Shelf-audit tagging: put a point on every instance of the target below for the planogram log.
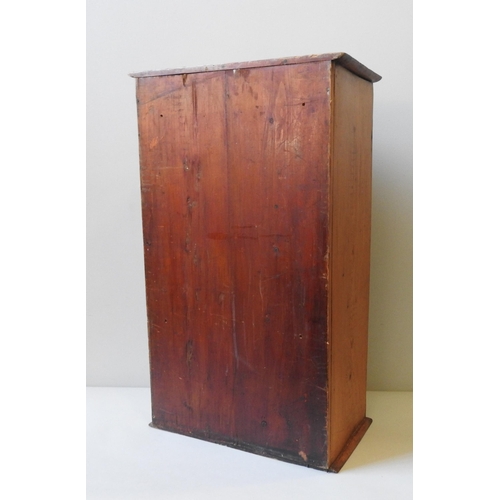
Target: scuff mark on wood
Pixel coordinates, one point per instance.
(189, 352)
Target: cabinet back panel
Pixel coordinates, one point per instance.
(234, 173)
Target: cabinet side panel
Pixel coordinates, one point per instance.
(350, 254)
(188, 279)
(278, 137)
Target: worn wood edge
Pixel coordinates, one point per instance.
(329, 314)
(281, 455)
(354, 66)
(350, 445)
(341, 57)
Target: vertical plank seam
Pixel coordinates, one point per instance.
(231, 251)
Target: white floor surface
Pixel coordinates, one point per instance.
(127, 459)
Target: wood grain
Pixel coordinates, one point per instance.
(350, 254)
(278, 132)
(339, 57)
(234, 183)
(350, 445)
(188, 276)
(256, 193)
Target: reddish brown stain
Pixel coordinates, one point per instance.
(236, 199)
(217, 236)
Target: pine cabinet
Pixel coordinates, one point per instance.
(256, 196)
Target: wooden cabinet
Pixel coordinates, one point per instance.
(256, 195)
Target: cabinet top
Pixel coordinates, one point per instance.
(341, 58)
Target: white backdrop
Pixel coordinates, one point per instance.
(127, 36)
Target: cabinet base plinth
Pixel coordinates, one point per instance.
(282, 455)
(350, 446)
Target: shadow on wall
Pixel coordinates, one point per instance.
(390, 354)
(390, 436)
